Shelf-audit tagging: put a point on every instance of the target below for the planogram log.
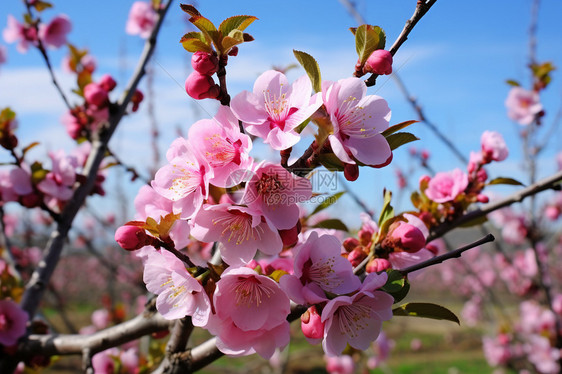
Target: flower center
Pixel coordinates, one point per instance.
(223, 151)
(269, 187)
(251, 292)
(237, 226)
(353, 318)
(322, 273)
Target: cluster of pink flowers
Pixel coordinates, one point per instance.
(52, 35)
(142, 18)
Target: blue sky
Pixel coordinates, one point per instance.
(455, 62)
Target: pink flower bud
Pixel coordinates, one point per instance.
(365, 236)
(379, 62)
(95, 95)
(200, 86)
(131, 238)
(424, 155)
(410, 238)
(205, 63)
(493, 146)
(351, 172)
(482, 198)
(350, 243)
(311, 324)
(377, 265)
(107, 82)
(356, 256)
(552, 212)
(137, 99)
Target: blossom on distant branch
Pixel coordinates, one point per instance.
(523, 106)
(142, 18)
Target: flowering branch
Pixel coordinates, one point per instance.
(421, 9)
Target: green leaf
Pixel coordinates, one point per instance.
(190, 9)
(426, 310)
(37, 172)
(327, 202)
(397, 285)
(330, 161)
(505, 180)
(41, 5)
(398, 139)
(7, 114)
(512, 82)
(334, 223)
(235, 23)
(195, 41)
(475, 222)
(368, 39)
(392, 129)
(234, 38)
(209, 30)
(311, 67)
(387, 210)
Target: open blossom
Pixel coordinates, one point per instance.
(319, 268)
(184, 180)
(57, 185)
(240, 231)
(493, 146)
(12, 322)
(53, 34)
(17, 32)
(358, 121)
(251, 314)
(179, 294)
(340, 364)
(356, 320)
(522, 106)
(142, 18)
(274, 192)
(446, 186)
(222, 144)
(274, 109)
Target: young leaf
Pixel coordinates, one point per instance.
(26, 149)
(330, 161)
(311, 67)
(235, 23)
(505, 180)
(368, 39)
(425, 310)
(41, 5)
(387, 210)
(392, 129)
(234, 38)
(512, 82)
(326, 203)
(334, 223)
(399, 139)
(195, 41)
(190, 9)
(209, 30)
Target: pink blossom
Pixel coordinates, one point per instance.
(379, 62)
(358, 121)
(58, 184)
(12, 322)
(523, 106)
(101, 318)
(493, 146)
(130, 360)
(53, 35)
(356, 320)
(340, 364)
(240, 231)
(95, 94)
(496, 350)
(472, 311)
(252, 313)
(275, 109)
(381, 347)
(274, 192)
(104, 362)
(446, 186)
(543, 355)
(184, 180)
(224, 147)
(23, 34)
(179, 294)
(319, 268)
(142, 18)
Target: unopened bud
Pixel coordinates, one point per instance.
(205, 63)
(350, 243)
(482, 198)
(376, 265)
(409, 237)
(311, 324)
(131, 238)
(95, 94)
(351, 172)
(200, 86)
(107, 82)
(356, 256)
(379, 62)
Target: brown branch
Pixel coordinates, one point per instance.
(421, 9)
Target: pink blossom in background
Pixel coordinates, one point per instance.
(472, 311)
(103, 362)
(381, 349)
(356, 320)
(493, 145)
(101, 318)
(53, 34)
(522, 106)
(358, 121)
(179, 294)
(340, 364)
(130, 360)
(446, 186)
(57, 185)
(319, 268)
(13, 322)
(274, 109)
(543, 355)
(240, 231)
(142, 18)
(222, 144)
(22, 34)
(274, 192)
(535, 319)
(496, 350)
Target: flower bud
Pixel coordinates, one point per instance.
(365, 236)
(552, 212)
(379, 62)
(351, 172)
(376, 265)
(137, 99)
(311, 324)
(131, 238)
(410, 238)
(95, 95)
(350, 243)
(200, 86)
(205, 63)
(482, 198)
(107, 82)
(356, 256)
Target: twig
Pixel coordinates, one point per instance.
(453, 254)
(178, 359)
(421, 9)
